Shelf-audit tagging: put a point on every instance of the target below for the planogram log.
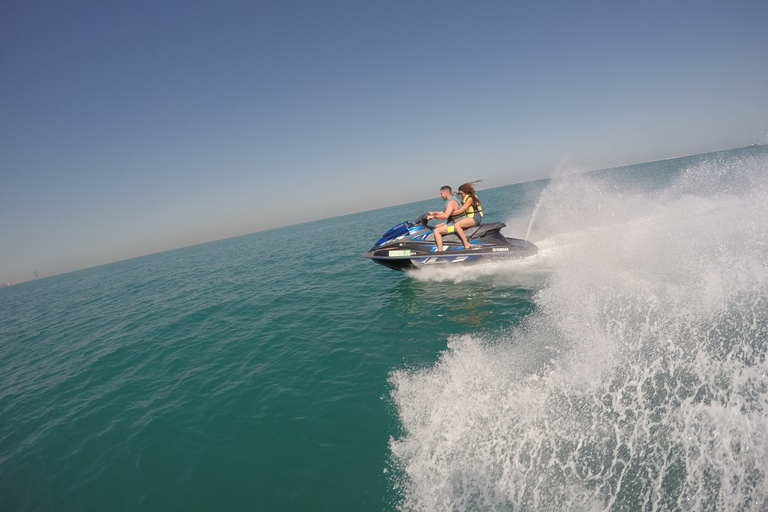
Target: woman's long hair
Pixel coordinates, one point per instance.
(468, 189)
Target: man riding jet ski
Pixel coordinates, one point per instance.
(408, 246)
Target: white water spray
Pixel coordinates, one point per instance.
(640, 382)
(539, 202)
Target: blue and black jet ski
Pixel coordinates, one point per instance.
(407, 246)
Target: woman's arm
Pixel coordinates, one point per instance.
(464, 208)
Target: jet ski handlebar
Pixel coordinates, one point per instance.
(422, 220)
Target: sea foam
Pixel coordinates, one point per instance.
(640, 381)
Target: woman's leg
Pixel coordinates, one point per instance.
(459, 227)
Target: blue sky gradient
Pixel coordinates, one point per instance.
(128, 128)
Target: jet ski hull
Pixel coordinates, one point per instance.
(406, 247)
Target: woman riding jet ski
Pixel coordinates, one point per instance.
(408, 246)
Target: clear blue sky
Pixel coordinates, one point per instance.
(128, 128)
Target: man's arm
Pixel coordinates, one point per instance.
(449, 209)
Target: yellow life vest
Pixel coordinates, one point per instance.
(470, 211)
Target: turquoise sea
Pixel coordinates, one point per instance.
(623, 368)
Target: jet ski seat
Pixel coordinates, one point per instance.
(472, 233)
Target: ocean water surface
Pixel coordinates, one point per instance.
(622, 368)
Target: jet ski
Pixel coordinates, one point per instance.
(412, 245)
